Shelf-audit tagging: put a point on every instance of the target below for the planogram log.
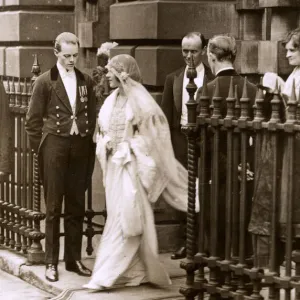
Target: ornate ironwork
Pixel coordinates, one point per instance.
(20, 195)
(191, 130)
(234, 275)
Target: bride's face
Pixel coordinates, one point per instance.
(113, 80)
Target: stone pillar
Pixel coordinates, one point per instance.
(29, 27)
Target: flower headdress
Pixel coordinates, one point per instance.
(118, 71)
(124, 67)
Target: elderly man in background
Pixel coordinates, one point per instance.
(175, 97)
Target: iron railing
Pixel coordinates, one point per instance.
(233, 274)
(20, 194)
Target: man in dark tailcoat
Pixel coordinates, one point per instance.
(6, 142)
(221, 53)
(60, 124)
(175, 97)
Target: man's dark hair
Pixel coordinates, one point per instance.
(197, 34)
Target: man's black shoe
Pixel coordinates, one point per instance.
(179, 254)
(78, 267)
(51, 273)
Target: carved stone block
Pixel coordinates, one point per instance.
(34, 26)
(251, 25)
(271, 58)
(246, 61)
(283, 21)
(247, 4)
(168, 19)
(279, 3)
(37, 2)
(19, 60)
(156, 62)
(87, 34)
(130, 50)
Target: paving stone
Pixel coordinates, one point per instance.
(13, 288)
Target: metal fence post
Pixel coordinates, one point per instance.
(36, 252)
(190, 130)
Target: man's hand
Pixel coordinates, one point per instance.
(4, 176)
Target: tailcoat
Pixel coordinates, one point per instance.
(172, 107)
(224, 78)
(66, 161)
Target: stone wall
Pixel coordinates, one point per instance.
(155, 29)
(263, 25)
(29, 27)
(152, 30)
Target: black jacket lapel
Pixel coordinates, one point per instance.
(59, 87)
(177, 91)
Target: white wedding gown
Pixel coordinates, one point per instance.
(120, 259)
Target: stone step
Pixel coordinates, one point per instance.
(72, 283)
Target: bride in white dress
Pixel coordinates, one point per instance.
(138, 164)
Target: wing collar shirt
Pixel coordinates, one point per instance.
(185, 95)
(70, 84)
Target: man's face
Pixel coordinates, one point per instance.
(68, 55)
(192, 47)
(292, 54)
